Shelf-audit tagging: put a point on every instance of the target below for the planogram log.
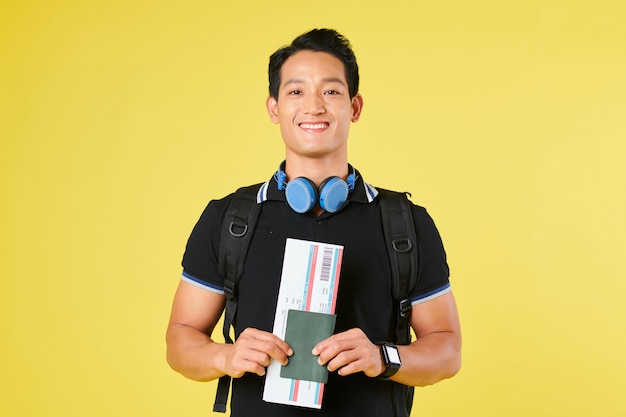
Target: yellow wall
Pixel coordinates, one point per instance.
(120, 119)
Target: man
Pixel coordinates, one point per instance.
(314, 98)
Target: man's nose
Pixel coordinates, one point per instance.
(315, 104)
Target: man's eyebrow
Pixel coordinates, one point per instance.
(326, 80)
(334, 80)
(293, 81)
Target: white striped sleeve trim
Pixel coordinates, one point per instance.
(431, 295)
(201, 284)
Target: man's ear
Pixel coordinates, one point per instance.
(357, 107)
(272, 109)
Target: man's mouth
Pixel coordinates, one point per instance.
(314, 126)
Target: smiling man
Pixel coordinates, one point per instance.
(314, 98)
(314, 108)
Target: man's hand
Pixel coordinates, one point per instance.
(350, 352)
(253, 352)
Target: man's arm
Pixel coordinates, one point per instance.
(192, 352)
(435, 355)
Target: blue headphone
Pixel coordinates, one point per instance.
(302, 194)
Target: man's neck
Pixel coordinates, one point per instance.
(316, 169)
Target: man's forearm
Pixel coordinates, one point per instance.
(193, 353)
(430, 359)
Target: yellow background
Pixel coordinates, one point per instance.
(120, 119)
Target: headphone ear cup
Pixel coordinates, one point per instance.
(301, 194)
(333, 194)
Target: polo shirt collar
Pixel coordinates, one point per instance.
(362, 193)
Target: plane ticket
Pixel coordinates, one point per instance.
(309, 282)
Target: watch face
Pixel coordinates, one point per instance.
(392, 354)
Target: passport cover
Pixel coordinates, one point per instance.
(304, 330)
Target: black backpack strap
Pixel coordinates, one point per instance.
(401, 242)
(237, 230)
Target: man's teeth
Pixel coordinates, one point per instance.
(313, 125)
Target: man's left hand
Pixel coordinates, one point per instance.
(350, 352)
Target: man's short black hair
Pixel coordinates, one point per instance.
(317, 40)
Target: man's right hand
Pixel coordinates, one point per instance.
(253, 352)
(192, 352)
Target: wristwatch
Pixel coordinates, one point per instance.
(391, 359)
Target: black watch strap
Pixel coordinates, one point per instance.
(391, 359)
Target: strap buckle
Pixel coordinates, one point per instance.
(238, 229)
(229, 288)
(402, 245)
(405, 308)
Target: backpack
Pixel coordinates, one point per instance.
(401, 242)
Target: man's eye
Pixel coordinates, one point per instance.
(295, 92)
(332, 92)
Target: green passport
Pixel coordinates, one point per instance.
(304, 330)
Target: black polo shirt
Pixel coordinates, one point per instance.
(364, 298)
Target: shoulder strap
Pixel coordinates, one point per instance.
(401, 242)
(237, 230)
